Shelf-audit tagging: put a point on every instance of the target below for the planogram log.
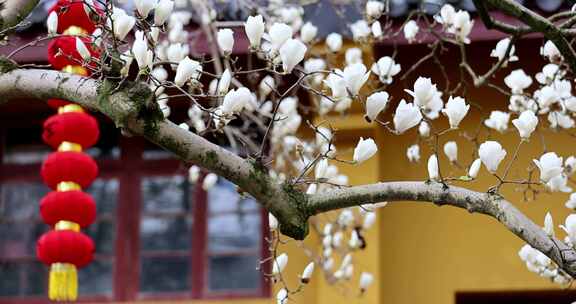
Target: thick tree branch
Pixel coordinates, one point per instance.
(12, 12)
(130, 108)
(484, 203)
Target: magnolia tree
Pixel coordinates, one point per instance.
(255, 108)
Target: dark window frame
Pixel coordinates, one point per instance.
(129, 169)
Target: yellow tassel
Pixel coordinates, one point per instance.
(69, 146)
(67, 186)
(63, 284)
(70, 108)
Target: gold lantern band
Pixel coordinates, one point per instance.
(63, 282)
(67, 186)
(67, 225)
(75, 31)
(75, 69)
(70, 108)
(69, 146)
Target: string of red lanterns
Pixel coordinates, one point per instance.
(68, 170)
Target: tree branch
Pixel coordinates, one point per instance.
(12, 12)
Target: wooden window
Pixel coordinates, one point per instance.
(157, 236)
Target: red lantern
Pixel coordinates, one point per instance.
(75, 127)
(73, 206)
(72, 13)
(62, 52)
(65, 246)
(69, 166)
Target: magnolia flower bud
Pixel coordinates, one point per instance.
(366, 279)
(144, 7)
(209, 181)
(407, 116)
(376, 29)
(278, 34)
(571, 203)
(375, 103)
(187, 69)
(411, 30)
(474, 168)
(369, 220)
(550, 51)
(163, 11)
(526, 124)
(272, 222)
(491, 154)
(549, 224)
(155, 34)
(308, 32)
(123, 23)
(334, 42)
(451, 151)
(433, 170)
(193, 174)
(455, 109)
(266, 85)
(424, 129)
(413, 153)
(224, 82)
(254, 28)
(82, 50)
(337, 86)
(550, 165)
(236, 100)
(291, 53)
(320, 169)
(52, 23)
(355, 75)
(225, 38)
(282, 296)
(141, 53)
(570, 227)
(500, 50)
(307, 273)
(279, 264)
(365, 149)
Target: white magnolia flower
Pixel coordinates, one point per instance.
(498, 121)
(353, 55)
(122, 23)
(366, 279)
(307, 273)
(446, 17)
(334, 42)
(386, 68)
(549, 73)
(267, 84)
(455, 109)
(337, 86)
(187, 69)
(360, 30)
(308, 32)
(550, 165)
(163, 11)
(155, 34)
(474, 168)
(291, 53)
(184, 126)
(225, 39)
(236, 100)
(376, 29)
(546, 97)
(424, 129)
(355, 75)
(427, 97)
(433, 170)
(254, 28)
(407, 116)
(272, 221)
(282, 296)
(278, 34)
(549, 224)
(193, 174)
(559, 119)
(224, 82)
(279, 264)
(374, 9)
(365, 149)
(369, 220)
(570, 227)
(209, 181)
(176, 52)
(500, 50)
(411, 30)
(550, 51)
(451, 151)
(144, 7)
(517, 81)
(142, 54)
(413, 153)
(52, 23)
(571, 203)
(491, 154)
(321, 168)
(375, 103)
(462, 26)
(82, 50)
(570, 165)
(526, 124)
